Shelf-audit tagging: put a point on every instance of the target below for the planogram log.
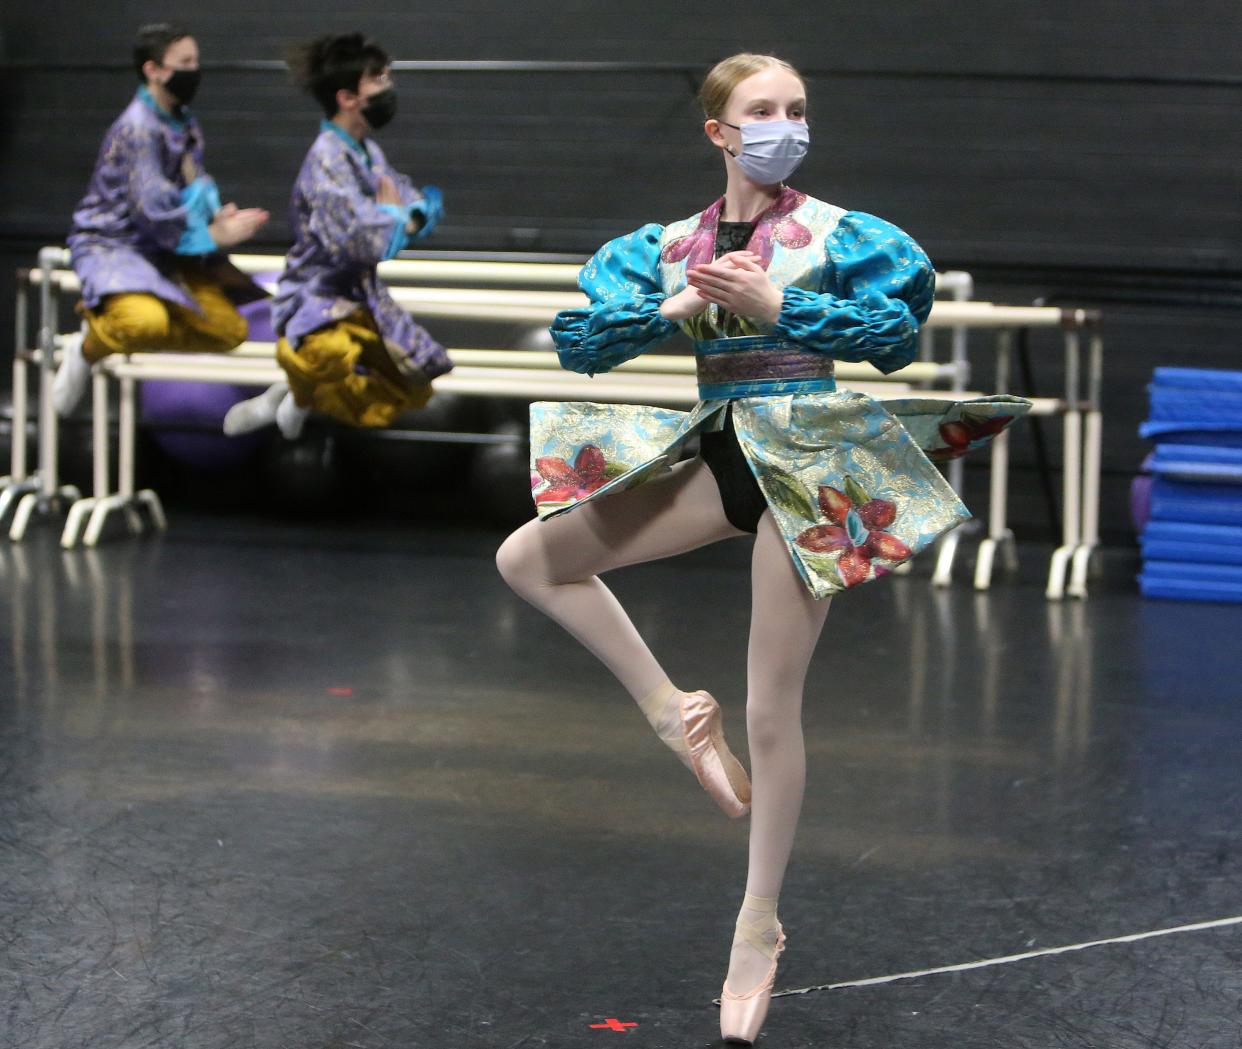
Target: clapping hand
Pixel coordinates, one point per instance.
(233, 225)
(737, 282)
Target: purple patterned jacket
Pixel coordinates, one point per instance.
(340, 235)
(126, 229)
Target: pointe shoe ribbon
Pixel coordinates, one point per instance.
(719, 772)
(742, 1015)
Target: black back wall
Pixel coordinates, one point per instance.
(1088, 151)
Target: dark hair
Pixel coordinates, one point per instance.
(153, 42)
(325, 66)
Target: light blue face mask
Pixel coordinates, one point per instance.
(771, 149)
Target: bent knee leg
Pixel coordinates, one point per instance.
(219, 329)
(231, 328)
(543, 554)
(515, 562)
(131, 322)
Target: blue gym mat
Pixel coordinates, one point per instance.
(1195, 503)
(1192, 545)
(1228, 434)
(1176, 541)
(1198, 378)
(1191, 582)
(1198, 462)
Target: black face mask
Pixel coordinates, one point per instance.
(380, 108)
(183, 84)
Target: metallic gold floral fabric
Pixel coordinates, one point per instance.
(579, 449)
(848, 485)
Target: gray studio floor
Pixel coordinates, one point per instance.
(334, 786)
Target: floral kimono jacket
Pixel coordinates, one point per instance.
(849, 480)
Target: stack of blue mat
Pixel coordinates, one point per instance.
(1192, 545)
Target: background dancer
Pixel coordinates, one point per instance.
(347, 349)
(148, 236)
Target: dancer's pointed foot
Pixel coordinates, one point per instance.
(720, 773)
(689, 724)
(255, 413)
(758, 942)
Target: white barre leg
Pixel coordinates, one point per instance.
(1000, 536)
(18, 484)
(1093, 443)
(21, 519)
(946, 552)
(12, 491)
(1059, 565)
(81, 510)
(1093, 425)
(18, 462)
(155, 508)
(128, 465)
(122, 499)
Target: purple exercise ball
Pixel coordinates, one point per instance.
(186, 419)
(1140, 501)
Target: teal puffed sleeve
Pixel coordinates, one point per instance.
(877, 289)
(623, 320)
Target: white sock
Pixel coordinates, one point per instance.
(72, 377)
(290, 418)
(255, 413)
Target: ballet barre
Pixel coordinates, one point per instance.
(543, 289)
(38, 494)
(654, 379)
(476, 373)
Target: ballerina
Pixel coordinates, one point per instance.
(773, 285)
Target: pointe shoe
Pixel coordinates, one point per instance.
(719, 772)
(742, 1015)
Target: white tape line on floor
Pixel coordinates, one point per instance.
(1219, 923)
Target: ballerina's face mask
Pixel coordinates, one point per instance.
(771, 149)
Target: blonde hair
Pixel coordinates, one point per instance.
(726, 74)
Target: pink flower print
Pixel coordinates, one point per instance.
(774, 224)
(856, 527)
(967, 434)
(568, 483)
(698, 247)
